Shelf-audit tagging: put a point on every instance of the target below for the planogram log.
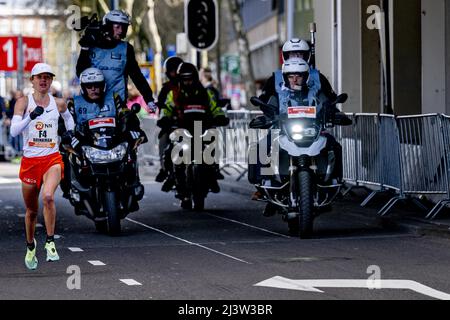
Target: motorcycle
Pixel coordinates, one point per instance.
(103, 165)
(306, 188)
(194, 176)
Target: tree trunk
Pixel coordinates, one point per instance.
(244, 49)
(157, 42)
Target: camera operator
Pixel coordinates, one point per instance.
(103, 47)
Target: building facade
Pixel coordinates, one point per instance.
(390, 56)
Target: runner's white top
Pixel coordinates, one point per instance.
(40, 138)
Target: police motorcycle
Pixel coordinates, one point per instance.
(193, 156)
(306, 185)
(103, 160)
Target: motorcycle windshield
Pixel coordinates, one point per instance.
(102, 132)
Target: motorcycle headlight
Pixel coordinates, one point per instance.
(298, 132)
(296, 128)
(105, 156)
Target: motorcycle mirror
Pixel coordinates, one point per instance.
(342, 98)
(224, 103)
(266, 108)
(260, 123)
(135, 108)
(256, 101)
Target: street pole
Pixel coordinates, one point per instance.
(290, 18)
(218, 50)
(21, 63)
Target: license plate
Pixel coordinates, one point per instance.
(302, 112)
(102, 122)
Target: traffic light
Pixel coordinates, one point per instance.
(201, 17)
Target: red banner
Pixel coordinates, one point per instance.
(8, 53)
(32, 53)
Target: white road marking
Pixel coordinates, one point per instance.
(8, 207)
(9, 180)
(187, 241)
(131, 282)
(75, 249)
(21, 215)
(97, 263)
(249, 225)
(38, 225)
(312, 285)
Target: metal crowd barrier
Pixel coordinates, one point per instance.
(237, 142)
(444, 166)
(409, 155)
(149, 152)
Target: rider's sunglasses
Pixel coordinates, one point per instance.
(296, 76)
(93, 85)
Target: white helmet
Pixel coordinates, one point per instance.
(91, 75)
(117, 16)
(295, 65)
(296, 45)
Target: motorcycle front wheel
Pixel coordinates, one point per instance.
(110, 206)
(306, 204)
(199, 190)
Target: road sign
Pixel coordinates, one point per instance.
(32, 52)
(201, 23)
(8, 53)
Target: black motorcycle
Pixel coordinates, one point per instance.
(194, 175)
(104, 184)
(304, 185)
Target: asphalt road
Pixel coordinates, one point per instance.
(165, 253)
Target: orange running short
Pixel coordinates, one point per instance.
(32, 170)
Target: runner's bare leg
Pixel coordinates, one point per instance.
(52, 178)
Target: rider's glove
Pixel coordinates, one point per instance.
(68, 138)
(36, 112)
(87, 41)
(152, 107)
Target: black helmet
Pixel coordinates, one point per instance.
(187, 71)
(171, 65)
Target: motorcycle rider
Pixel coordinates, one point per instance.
(115, 58)
(190, 93)
(170, 65)
(298, 90)
(296, 48)
(94, 102)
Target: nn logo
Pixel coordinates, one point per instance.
(201, 23)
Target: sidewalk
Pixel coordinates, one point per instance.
(404, 216)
